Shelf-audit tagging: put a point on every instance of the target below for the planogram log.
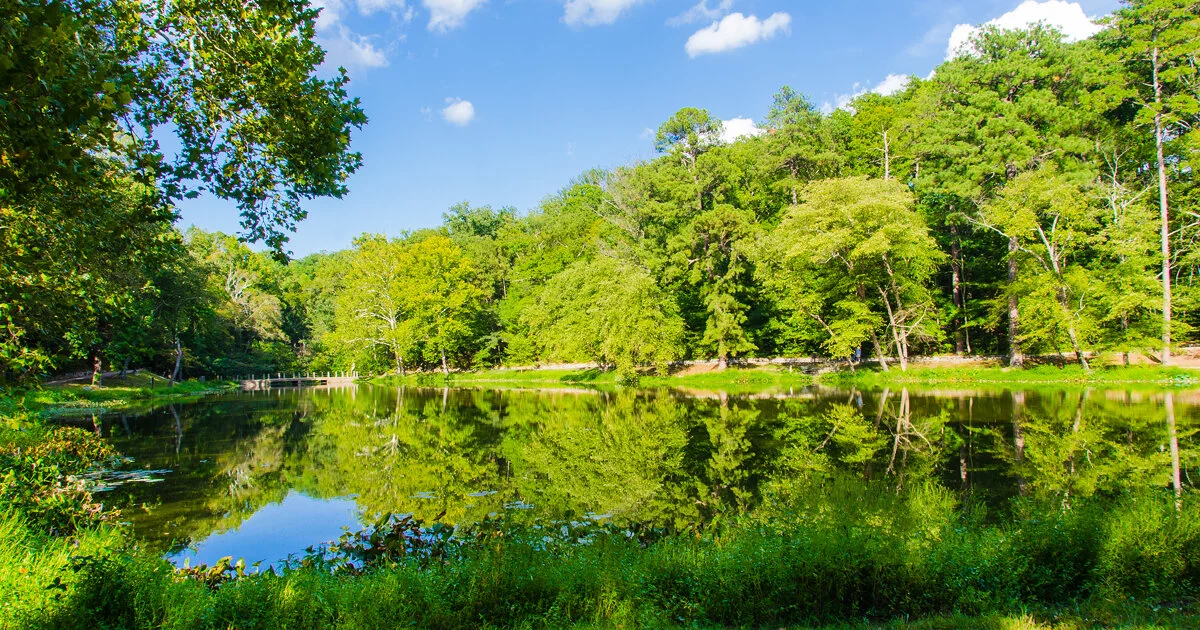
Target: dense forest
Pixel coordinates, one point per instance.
(1032, 196)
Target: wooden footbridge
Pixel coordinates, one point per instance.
(297, 379)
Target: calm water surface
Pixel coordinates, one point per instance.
(264, 475)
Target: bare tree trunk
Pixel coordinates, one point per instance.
(1176, 481)
(1078, 351)
(1165, 227)
(1015, 358)
(956, 289)
(879, 351)
(97, 371)
(887, 158)
(175, 374)
(124, 366)
(722, 363)
(445, 367)
(1124, 336)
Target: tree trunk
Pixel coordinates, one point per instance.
(901, 345)
(1015, 358)
(124, 366)
(400, 365)
(956, 289)
(1165, 227)
(722, 363)
(175, 374)
(1062, 301)
(879, 351)
(887, 158)
(445, 367)
(97, 372)
(1078, 350)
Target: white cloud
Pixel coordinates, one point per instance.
(330, 15)
(736, 128)
(647, 134)
(458, 112)
(350, 50)
(595, 12)
(1067, 17)
(700, 11)
(445, 15)
(735, 31)
(891, 84)
(343, 47)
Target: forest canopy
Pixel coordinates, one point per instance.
(1032, 196)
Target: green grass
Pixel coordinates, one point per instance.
(21, 408)
(1043, 374)
(768, 379)
(733, 380)
(1129, 563)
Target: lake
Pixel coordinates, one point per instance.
(263, 475)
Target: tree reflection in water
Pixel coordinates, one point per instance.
(658, 458)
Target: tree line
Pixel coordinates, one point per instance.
(1032, 196)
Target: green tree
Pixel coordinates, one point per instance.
(442, 297)
(800, 146)
(1159, 41)
(372, 311)
(1053, 223)
(856, 257)
(609, 311)
(1020, 99)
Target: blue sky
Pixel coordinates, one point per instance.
(503, 102)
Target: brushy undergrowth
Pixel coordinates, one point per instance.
(41, 477)
(1126, 561)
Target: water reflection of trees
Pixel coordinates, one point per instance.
(651, 457)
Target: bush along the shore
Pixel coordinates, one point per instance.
(41, 477)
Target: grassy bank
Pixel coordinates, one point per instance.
(133, 392)
(1130, 563)
(1044, 374)
(730, 380)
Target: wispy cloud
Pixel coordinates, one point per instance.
(596, 12)
(445, 15)
(700, 11)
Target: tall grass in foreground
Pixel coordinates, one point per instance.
(846, 555)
